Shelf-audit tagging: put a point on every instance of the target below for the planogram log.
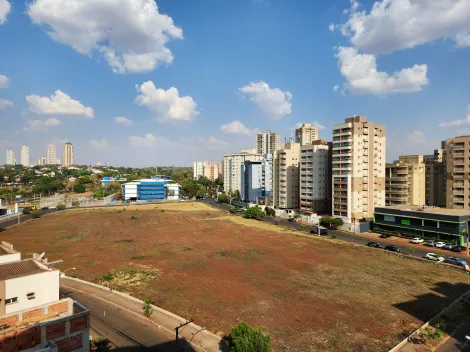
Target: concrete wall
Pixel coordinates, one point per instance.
(7, 258)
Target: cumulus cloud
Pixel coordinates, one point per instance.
(417, 137)
(166, 104)
(40, 125)
(130, 34)
(236, 127)
(147, 141)
(456, 123)
(99, 144)
(4, 80)
(4, 10)
(362, 76)
(331, 27)
(335, 88)
(58, 104)
(402, 24)
(272, 102)
(463, 39)
(4, 103)
(121, 120)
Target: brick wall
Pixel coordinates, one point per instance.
(55, 331)
(58, 307)
(79, 323)
(70, 343)
(10, 321)
(21, 339)
(33, 313)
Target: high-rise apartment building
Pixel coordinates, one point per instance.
(436, 184)
(256, 180)
(10, 157)
(212, 171)
(233, 169)
(25, 156)
(198, 169)
(306, 134)
(267, 142)
(315, 178)
(51, 155)
(405, 181)
(67, 155)
(457, 172)
(286, 163)
(358, 168)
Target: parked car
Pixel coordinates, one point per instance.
(374, 245)
(323, 231)
(458, 248)
(291, 220)
(455, 261)
(447, 246)
(392, 248)
(434, 257)
(430, 243)
(417, 240)
(439, 244)
(385, 235)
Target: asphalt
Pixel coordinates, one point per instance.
(4, 225)
(420, 249)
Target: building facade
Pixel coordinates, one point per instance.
(198, 169)
(233, 169)
(68, 155)
(405, 181)
(315, 178)
(457, 172)
(358, 168)
(10, 157)
(51, 157)
(267, 142)
(256, 180)
(286, 164)
(436, 184)
(153, 189)
(212, 171)
(306, 134)
(25, 156)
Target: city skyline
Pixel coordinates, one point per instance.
(200, 81)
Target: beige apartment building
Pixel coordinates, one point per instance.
(358, 168)
(212, 171)
(306, 134)
(233, 164)
(457, 172)
(436, 184)
(67, 155)
(405, 181)
(315, 178)
(286, 176)
(267, 142)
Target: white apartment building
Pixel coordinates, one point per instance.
(51, 155)
(198, 169)
(315, 178)
(256, 180)
(10, 157)
(358, 168)
(306, 134)
(25, 156)
(233, 169)
(286, 163)
(67, 155)
(267, 142)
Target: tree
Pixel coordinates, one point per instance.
(27, 210)
(270, 211)
(79, 188)
(205, 182)
(36, 214)
(245, 338)
(254, 213)
(237, 195)
(113, 187)
(61, 206)
(189, 189)
(222, 198)
(100, 344)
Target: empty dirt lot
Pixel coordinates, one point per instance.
(313, 294)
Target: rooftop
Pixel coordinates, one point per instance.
(20, 268)
(430, 210)
(6, 248)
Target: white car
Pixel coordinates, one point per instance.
(434, 257)
(440, 244)
(417, 240)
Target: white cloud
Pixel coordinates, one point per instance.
(121, 120)
(362, 77)
(236, 127)
(4, 103)
(335, 88)
(272, 102)
(166, 104)
(318, 125)
(100, 144)
(210, 143)
(131, 34)
(463, 39)
(416, 137)
(4, 10)
(40, 125)
(58, 104)
(402, 24)
(213, 143)
(331, 27)
(4, 80)
(455, 123)
(147, 141)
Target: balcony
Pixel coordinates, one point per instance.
(459, 146)
(458, 176)
(458, 192)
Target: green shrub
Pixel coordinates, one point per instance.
(75, 203)
(223, 198)
(27, 210)
(146, 308)
(245, 338)
(100, 344)
(36, 214)
(61, 206)
(269, 211)
(254, 213)
(79, 188)
(133, 217)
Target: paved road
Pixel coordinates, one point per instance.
(23, 217)
(420, 250)
(457, 342)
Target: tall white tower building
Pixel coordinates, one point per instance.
(51, 155)
(25, 156)
(67, 156)
(10, 157)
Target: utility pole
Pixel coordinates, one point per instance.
(179, 327)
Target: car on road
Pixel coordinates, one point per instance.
(385, 235)
(430, 244)
(458, 248)
(392, 248)
(439, 244)
(417, 240)
(447, 246)
(323, 231)
(455, 261)
(291, 220)
(374, 245)
(434, 257)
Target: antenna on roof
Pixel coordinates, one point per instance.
(42, 255)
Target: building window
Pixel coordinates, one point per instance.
(30, 295)
(11, 300)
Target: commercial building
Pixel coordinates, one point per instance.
(358, 168)
(233, 169)
(306, 134)
(422, 221)
(67, 155)
(51, 155)
(32, 315)
(198, 169)
(457, 172)
(267, 142)
(25, 156)
(256, 180)
(212, 171)
(152, 189)
(315, 177)
(286, 163)
(405, 181)
(10, 157)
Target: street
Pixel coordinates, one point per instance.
(23, 217)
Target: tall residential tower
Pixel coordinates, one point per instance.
(10, 157)
(306, 134)
(67, 155)
(51, 155)
(25, 156)
(267, 142)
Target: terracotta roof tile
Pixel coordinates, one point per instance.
(19, 268)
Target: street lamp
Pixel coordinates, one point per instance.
(63, 273)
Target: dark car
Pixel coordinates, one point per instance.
(374, 245)
(385, 235)
(455, 261)
(291, 220)
(392, 248)
(458, 248)
(323, 231)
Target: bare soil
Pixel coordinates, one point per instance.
(313, 294)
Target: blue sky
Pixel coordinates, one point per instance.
(238, 66)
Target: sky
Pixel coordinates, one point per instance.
(148, 83)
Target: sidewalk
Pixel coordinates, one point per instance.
(199, 338)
